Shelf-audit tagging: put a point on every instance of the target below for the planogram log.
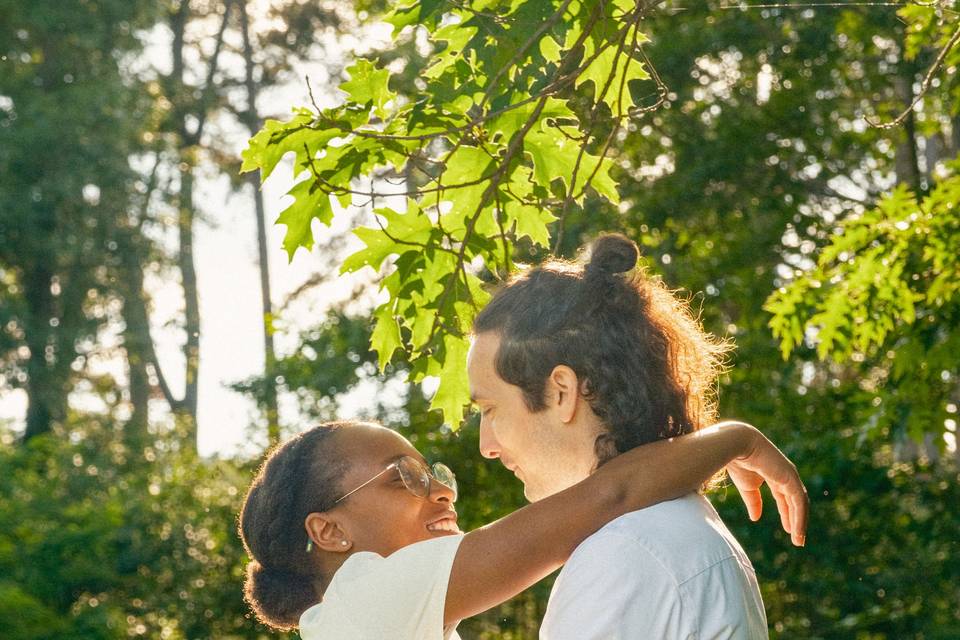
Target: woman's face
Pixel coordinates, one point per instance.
(385, 516)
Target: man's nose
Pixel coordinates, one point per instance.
(489, 447)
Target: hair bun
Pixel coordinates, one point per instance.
(278, 597)
(611, 254)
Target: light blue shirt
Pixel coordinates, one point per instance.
(669, 572)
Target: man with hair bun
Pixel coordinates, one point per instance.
(574, 363)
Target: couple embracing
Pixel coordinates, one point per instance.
(594, 387)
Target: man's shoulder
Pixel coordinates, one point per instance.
(681, 537)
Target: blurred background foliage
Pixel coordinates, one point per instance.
(758, 185)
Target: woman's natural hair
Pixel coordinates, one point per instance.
(298, 477)
(647, 368)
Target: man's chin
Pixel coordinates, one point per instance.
(533, 494)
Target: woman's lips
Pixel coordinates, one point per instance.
(446, 522)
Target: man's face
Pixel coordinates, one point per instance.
(532, 445)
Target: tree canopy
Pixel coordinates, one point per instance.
(746, 148)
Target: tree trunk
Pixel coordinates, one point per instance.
(191, 349)
(906, 160)
(253, 123)
(955, 135)
(270, 358)
(45, 392)
(137, 342)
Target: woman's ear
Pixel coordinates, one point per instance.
(326, 533)
(564, 392)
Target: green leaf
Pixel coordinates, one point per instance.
(265, 150)
(310, 202)
(623, 70)
(531, 221)
(385, 339)
(454, 390)
(551, 51)
(601, 181)
(403, 15)
(551, 155)
(467, 165)
(437, 267)
(368, 86)
(405, 232)
(512, 120)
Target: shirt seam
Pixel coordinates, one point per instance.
(708, 568)
(640, 542)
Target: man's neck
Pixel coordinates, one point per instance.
(580, 450)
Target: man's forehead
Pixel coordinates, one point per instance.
(481, 372)
(483, 350)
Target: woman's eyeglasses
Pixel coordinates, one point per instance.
(416, 477)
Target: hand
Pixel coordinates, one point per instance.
(765, 463)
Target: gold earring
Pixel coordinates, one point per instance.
(309, 546)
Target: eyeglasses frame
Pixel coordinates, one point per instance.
(395, 465)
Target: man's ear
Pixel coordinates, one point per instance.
(326, 533)
(564, 391)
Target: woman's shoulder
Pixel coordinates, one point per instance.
(418, 557)
(432, 548)
(385, 588)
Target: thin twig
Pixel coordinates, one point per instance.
(924, 86)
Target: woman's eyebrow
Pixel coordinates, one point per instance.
(396, 458)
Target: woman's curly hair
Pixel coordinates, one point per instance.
(648, 369)
(298, 477)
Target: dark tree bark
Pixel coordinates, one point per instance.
(955, 135)
(191, 349)
(138, 343)
(906, 160)
(45, 392)
(252, 120)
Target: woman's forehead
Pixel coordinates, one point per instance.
(372, 446)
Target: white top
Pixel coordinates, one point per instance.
(672, 571)
(400, 597)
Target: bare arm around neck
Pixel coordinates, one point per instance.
(501, 559)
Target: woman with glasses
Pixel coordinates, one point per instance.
(353, 536)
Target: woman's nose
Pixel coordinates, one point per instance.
(440, 492)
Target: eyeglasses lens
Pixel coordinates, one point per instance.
(417, 476)
(445, 476)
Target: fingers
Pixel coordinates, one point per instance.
(783, 506)
(754, 503)
(799, 506)
(748, 485)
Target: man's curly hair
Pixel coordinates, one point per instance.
(648, 369)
